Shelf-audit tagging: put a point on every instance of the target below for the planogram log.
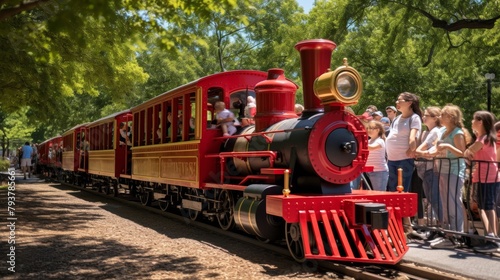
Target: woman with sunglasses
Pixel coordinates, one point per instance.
(401, 142)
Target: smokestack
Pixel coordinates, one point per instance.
(315, 58)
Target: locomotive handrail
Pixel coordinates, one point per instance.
(223, 155)
(263, 134)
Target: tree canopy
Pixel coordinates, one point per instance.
(66, 62)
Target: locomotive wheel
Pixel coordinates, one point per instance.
(225, 216)
(106, 189)
(145, 196)
(294, 241)
(164, 203)
(116, 190)
(192, 214)
(133, 190)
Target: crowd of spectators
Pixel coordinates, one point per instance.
(441, 161)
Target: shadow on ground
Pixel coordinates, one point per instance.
(68, 257)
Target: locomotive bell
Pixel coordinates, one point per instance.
(344, 86)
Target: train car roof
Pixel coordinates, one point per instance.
(73, 128)
(50, 139)
(200, 81)
(107, 118)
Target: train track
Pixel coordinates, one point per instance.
(357, 271)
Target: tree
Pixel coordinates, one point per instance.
(14, 130)
(54, 49)
(397, 46)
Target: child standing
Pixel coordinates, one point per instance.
(485, 174)
(376, 157)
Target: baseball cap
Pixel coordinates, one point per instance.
(385, 120)
(378, 113)
(392, 108)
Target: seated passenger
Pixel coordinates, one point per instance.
(225, 119)
(298, 109)
(124, 135)
(250, 111)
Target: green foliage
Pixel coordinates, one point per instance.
(401, 46)
(4, 164)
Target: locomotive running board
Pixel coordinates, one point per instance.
(331, 237)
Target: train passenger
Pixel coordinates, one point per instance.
(485, 174)
(250, 111)
(225, 119)
(425, 167)
(451, 167)
(124, 135)
(376, 157)
(251, 108)
(298, 109)
(240, 105)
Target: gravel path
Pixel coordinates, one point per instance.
(63, 233)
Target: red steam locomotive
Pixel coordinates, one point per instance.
(284, 178)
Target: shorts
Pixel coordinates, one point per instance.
(486, 195)
(25, 162)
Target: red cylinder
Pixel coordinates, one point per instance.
(275, 99)
(315, 58)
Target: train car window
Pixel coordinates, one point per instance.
(104, 130)
(170, 119)
(213, 95)
(102, 139)
(238, 101)
(68, 142)
(163, 123)
(135, 137)
(176, 121)
(111, 134)
(188, 117)
(78, 137)
(149, 126)
(142, 128)
(157, 132)
(92, 138)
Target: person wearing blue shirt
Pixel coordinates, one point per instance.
(26, 159)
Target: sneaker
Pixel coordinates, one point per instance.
(415, 235)
(436, 240)
(488, 247)
(433, 235)
(445, 243)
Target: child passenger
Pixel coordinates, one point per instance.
(225, 119)
(485, 174)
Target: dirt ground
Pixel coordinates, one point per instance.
(64, 233)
